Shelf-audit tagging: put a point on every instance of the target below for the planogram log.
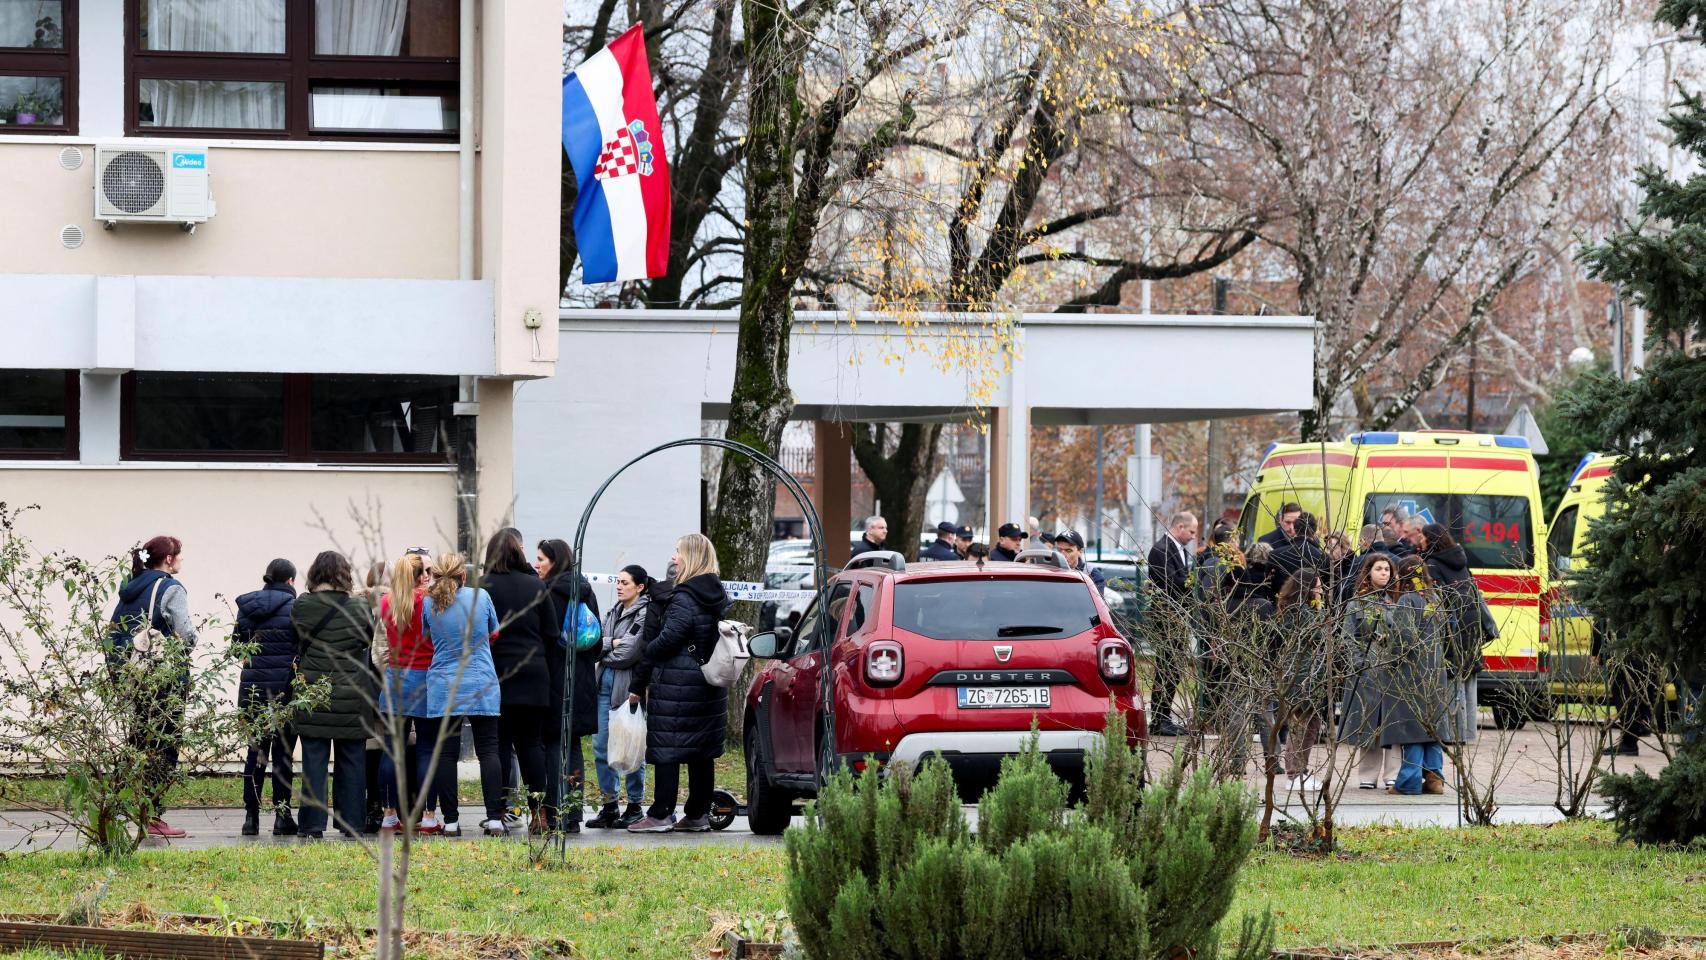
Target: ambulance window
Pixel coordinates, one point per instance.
(1561, 540)
(1497, 531)
(1247, 522)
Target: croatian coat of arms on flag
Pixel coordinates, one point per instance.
(627, 153)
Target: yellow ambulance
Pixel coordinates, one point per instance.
(1569, 663)
(1484, 488)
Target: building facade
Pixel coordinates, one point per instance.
(317, 341)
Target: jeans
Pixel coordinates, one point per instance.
(523, 729)
(349, 784)
(280, 747)
(1418, 757)
(607, 785)
(491, 775)
(701, 781)
(402, 794)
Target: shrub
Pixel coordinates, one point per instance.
(885, 866)
(1666, 809)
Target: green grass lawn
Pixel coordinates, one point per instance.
(659, 902)
(227, 791)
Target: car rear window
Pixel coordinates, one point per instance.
(1005, 608)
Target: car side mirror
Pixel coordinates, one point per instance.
(768, 644)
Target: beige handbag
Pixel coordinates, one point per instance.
(150, 640)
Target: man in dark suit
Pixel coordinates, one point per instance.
(943, 548)
(1171, 561)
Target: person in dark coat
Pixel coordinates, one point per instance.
(555, 561)
(153, 598)
(1461, 624)
(1009, 540)
(263, 621)
(1171, 563)
(334, 639)
(687, 717)
(528, 640)
(943, 548)
(1302, 551)
(1284, 526)
(875, 535)
(1070, 543)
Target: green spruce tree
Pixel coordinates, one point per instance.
(1647, 562)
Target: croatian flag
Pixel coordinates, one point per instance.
(614, 141)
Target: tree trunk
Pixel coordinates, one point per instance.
(760, 404)
(901, 480)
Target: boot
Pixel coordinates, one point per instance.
(251, 822)
(631, 816)
(282, 823)
(607, 819)
(1432, 782)
(1628, 745)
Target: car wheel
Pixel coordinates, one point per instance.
(1507, 717)
(768, 810)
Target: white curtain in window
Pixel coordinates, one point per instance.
(222, 104)
(224, 26)
(368, 108)
(360, 28)
(18, 21)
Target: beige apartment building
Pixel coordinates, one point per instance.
(270, 271)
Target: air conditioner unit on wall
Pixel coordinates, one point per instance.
(152, 183)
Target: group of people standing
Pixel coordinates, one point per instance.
(1407, 627)
(384, 676)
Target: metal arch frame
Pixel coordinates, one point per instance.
(819, 568)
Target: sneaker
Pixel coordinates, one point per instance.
(390, 824)
(494, 828)
(1368, 785)
(607, 819)
(1389, 782)
(651, 825)
(313, 834)
(165, 831)
(694, 825)
(429, 824)
(451, 828)
(1304, 784)
(634, 814)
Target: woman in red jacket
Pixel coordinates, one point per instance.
(404, 699)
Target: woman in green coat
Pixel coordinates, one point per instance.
(334, 634)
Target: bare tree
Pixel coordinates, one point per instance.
(1415, 156)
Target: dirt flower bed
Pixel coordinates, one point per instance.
(1632, 943)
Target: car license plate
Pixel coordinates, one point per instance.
(987, 698)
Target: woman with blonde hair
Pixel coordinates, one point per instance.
(687, 716)
(462, 684)
(404, 699)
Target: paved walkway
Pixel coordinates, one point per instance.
(1524, 764)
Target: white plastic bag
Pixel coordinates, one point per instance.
(626, 751)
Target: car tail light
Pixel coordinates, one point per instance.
(1113, 661)
(885, 661)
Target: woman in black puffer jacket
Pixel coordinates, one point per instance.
(686, 717)
(263, 619)
(1463, 627)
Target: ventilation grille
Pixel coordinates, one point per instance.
(71, 235)
(133, 182)
(71, 158)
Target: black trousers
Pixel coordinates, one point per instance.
(349, 784)
(279, 749)
(701, 780)
(485, 731)
(523, 728)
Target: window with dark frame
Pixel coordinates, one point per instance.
(292, 69)
(295, 417)
(38, 414)
(38, 66)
